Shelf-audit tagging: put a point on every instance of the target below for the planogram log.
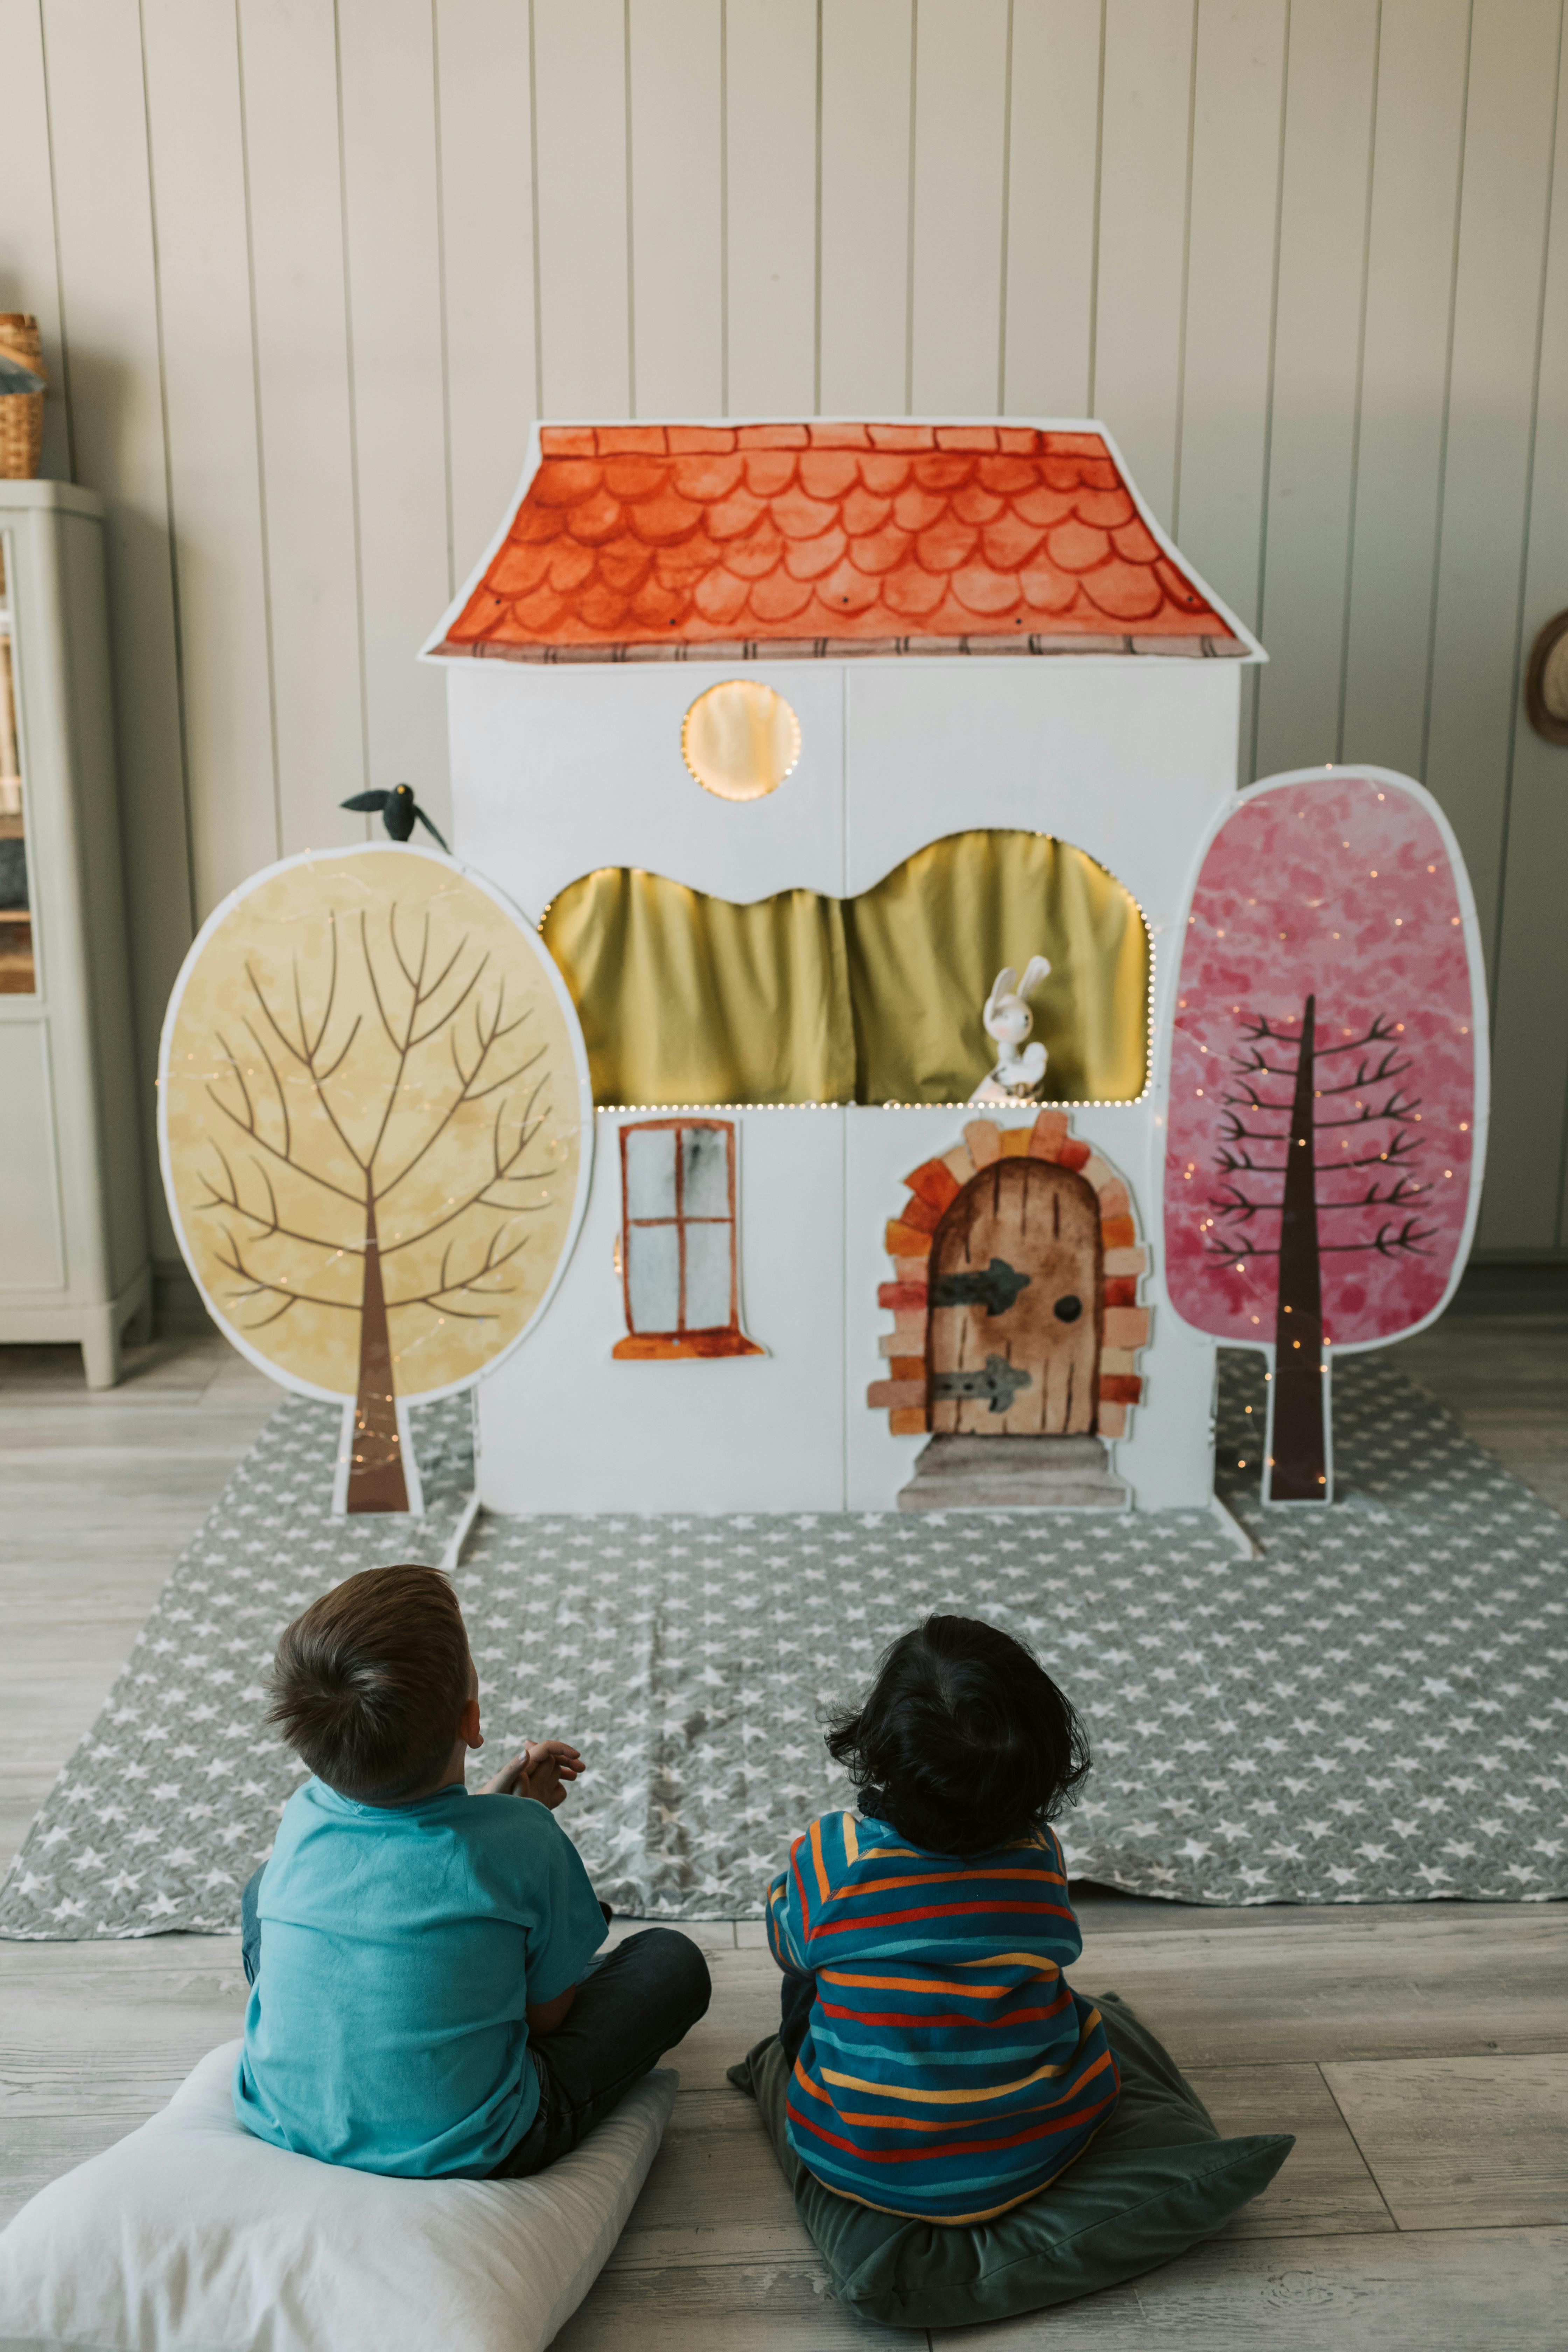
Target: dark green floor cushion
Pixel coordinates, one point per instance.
(1156, 2178)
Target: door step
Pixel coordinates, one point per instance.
(1018, 1473)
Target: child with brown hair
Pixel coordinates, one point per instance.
(425, 1998)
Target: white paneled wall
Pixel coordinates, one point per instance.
(306, 270)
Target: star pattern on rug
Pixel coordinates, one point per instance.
(171, 1799)
(1375, 1709)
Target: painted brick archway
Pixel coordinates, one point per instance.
(932, 1187)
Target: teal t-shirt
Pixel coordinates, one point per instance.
(400, 1947)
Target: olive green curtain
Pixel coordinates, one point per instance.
(925, 945)
(688, 999)
(800, 997)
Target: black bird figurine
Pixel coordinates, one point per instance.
(399, 811)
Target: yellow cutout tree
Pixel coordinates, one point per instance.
(373, 1107)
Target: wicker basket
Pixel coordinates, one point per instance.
(21, 413)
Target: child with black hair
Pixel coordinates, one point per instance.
(940, 2064)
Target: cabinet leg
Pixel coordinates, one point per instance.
(100, 1348)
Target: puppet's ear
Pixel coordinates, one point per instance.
(1005, 984)
(1035, 970)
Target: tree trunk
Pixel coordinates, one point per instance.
(376, 1482)
(1297, 1451)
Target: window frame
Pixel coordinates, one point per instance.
(682, 1340)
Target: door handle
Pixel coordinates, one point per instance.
(995, 1289)
(999, 1383)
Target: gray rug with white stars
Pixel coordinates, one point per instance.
(1374, 1710)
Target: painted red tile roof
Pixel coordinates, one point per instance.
(634, 542)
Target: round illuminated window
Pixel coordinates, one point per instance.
(741, 740)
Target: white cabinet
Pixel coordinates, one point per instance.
(73, 1231)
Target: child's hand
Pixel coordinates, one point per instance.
(549, 1766)
(508, 1780)
(540, 1771)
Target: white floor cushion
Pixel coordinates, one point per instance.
(192, 2234)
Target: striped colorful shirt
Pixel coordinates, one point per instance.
(948, 2070)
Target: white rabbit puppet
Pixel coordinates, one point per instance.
(1015, 1075)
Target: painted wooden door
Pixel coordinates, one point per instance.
(1013, 1328)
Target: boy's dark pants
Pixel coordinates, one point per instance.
(637, 2002)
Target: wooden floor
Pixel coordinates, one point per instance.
(1419, 2053)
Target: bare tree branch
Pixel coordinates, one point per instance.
(260, 1285)
(1403, 1188)
(397, 952)
(402, 1043)
(1258, 1026)
(248, 1127)
(332, 992)
(1234, 1132)
(481, 1094)
(1390, 1066)
(471, 1283)
(342, 1058)
(1401, 1144)
(269, 1226)
(1396, 1107)
(1382, 1029)
(306, 1060)
(1250, 1102)
(1411, 1239)
(494, 1263)
(276, 1082)
(485, 1040)
(249, 1121)
(501, 1174)
(1234, 1202)
(375, 983)
(452, 1011)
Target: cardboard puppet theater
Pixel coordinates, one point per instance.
(966, 1057)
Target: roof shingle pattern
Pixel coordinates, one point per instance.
(638, 540)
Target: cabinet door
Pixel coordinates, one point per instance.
(32, 1255)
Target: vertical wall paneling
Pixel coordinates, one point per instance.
(1524, 1205)
(959, 144)
(306, 268)
(28, 279)
(677, 206)
(109, 310)
(1053, 151)
(209, 393)
(1237, 109)
(289, 97)
(386, 53)
(487, 255)
(1144, 190)
(770, 205)
(1328, 117)
(865, 103)
(1417, 170)
(1496, 313)
(580, 113)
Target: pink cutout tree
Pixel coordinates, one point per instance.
(1321, 1159)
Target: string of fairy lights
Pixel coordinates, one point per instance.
(1032, 1103)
